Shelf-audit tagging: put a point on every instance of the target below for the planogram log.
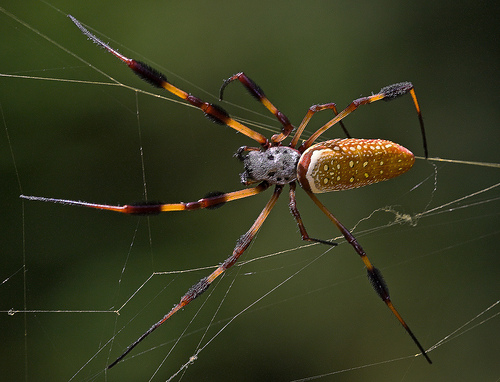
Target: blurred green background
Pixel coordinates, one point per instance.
(81, 141)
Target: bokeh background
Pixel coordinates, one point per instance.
(81, 141)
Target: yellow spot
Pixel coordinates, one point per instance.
(325, 167)
(365, 164)
(381, 171)
(338, 178)
(351, 164)
(381, 162)
(326, 180)
(338, 166)
(351, 180)
(366, 175)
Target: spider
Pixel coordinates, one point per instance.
(333, 165)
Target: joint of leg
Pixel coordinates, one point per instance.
(197, 289)
(327, 242)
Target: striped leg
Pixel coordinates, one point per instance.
(213, 201)
(387, 93)
(214, 112)
(313, 110)
(256, 91)
(374, 274)
(202, 285)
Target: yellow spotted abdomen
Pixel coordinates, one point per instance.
(342, 164)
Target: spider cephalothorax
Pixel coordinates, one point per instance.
(275, 165)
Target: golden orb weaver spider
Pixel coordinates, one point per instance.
(338, 164)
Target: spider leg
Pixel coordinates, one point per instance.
(214, 112)
(257, 92)
(295, 213)
(202, 285)
(312, 110)
(387, 93)
(374, 274)
(213, 201)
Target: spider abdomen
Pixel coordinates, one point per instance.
(343, 164)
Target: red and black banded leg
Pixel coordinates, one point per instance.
(214, 112)
(214, 200)
(202, 285)
(313, 110)
(296, 215)
(257, 92)
(374, 275)
(387, 93)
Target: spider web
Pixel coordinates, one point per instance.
(79, 286)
